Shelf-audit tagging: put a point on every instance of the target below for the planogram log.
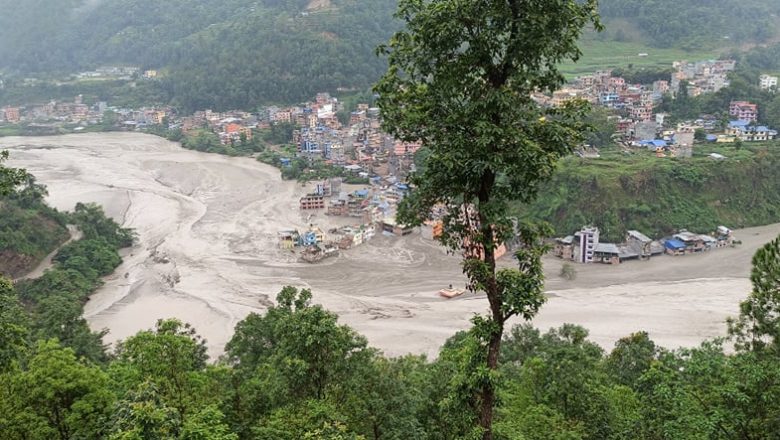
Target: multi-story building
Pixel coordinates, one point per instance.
(588, 239)
(12, 114)
(642, 113)
(767, 81)
(312, 201)
(744, 111)
(744, 131)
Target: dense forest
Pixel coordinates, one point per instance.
(296, 373)
(695, 24)
(215, 54)
(244, 53)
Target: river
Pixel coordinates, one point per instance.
(206, 254)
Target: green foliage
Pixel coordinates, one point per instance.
(172, 357)
(57, 396)
(142, 415)
(698, 24)
(278, 134)
(55, 300)
(602, 128)
(211, 54)
(631, 358)
(94, 224)
(661, 195)
(9, 177)
(29, 229)
(304, 170)
(460, 81)
(568, 272)
(555, 385)
(205, 140)
(13, 327)
(300, 342)
(758, 326)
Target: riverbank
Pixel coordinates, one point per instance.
(206, 253)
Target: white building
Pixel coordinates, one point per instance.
(588, 239)
(767, 81)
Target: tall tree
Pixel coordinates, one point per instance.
(171, 357)
(758, 326)
(9, 177)
(461, 78)
(13, 326)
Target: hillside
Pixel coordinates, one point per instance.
(660, 195)
(29, 230)
(242, 53)
(221, 54)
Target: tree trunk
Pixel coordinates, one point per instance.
(488, 391)
(488, 394)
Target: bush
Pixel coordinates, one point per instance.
(568, 272)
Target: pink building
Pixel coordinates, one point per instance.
(744, 111)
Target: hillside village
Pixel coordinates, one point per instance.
(354, 149)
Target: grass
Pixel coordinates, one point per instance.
(598, 55)
(10, 131)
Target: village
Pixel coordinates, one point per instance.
(357, 143)
(355, 149)
(585, 246)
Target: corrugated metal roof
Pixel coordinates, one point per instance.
(607, 248)
(707, 239)
(569, 239)
(687, 236)
(639, 236)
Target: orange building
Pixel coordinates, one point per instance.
(12, 114)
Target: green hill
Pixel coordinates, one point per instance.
(220, 54)
(241, 53)
(660, 195)
(29, 230)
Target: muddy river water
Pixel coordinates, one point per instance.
(206, 254)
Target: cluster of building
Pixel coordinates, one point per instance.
(585, 245)
(634, 101)
(231, 126)
(77, 112)
(634, 105)
(744, 127)
(373, 209)
(702, 76)
(125, 73)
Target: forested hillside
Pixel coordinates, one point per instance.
(221, 54)
(242, 53)
(695, 23)
(661, 195)
(29, 229)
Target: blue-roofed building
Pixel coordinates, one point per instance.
(309, 238)
(674, 246)
(712, 138)
(361, 193)
(653, 144)
(741, 129)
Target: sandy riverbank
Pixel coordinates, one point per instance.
(207, 227)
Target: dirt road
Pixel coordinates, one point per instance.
(207, 227)
(47, 262)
